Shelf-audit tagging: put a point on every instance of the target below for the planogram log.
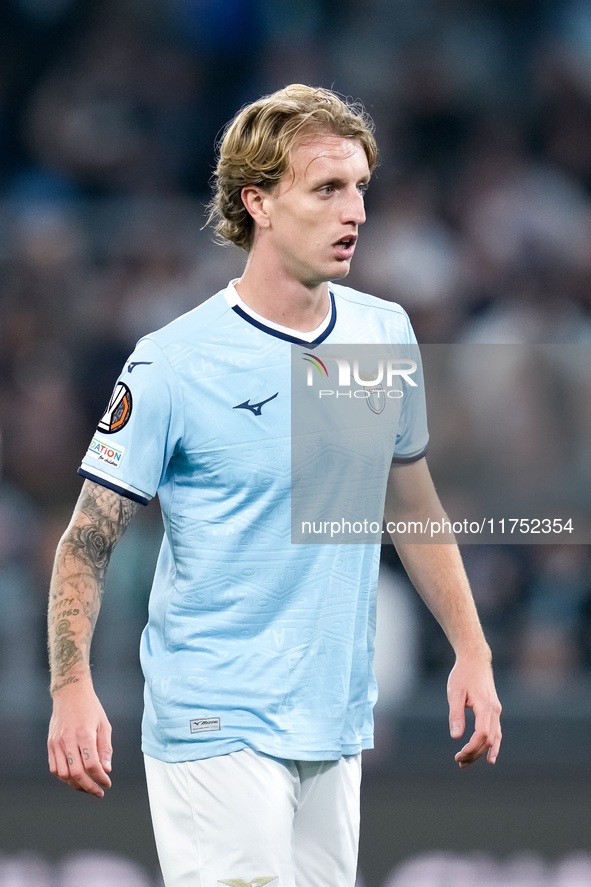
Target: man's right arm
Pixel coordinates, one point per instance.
(79, 743)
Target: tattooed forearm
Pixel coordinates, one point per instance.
(66, 653)
(100, 519)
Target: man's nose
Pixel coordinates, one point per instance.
(355, 208)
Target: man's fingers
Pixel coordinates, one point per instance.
(494, 750)
(487, 731)
(94, 767)
(60, 766)
(89, 771)
(79, 766)
(86, 776)
(457, 726)
(51, 759)
(457, 717)
(104, 747)
(474, 749)
(73, 772)
(482, 742)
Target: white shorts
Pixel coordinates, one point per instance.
(247, 820)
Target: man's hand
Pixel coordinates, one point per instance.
(79, 743)
(471, 685)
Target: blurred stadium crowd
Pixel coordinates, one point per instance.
(479, 224)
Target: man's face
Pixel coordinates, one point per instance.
(317, 207)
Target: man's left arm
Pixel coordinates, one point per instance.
(437, 572)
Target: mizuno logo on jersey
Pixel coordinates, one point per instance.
(204, 725)
(255, 408)
(118, 413)
(138, 363)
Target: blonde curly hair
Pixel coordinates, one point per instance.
(256, 146)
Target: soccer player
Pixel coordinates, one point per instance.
(258, 652)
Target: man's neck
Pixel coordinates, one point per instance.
(283, 300)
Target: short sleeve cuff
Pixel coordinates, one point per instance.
(117, 486)
(405, 460)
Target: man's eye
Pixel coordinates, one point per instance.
(363, 188)
(326, 189)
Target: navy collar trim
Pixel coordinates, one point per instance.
(285, 336)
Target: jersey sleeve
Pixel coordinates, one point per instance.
(412, 439)
(140, 429)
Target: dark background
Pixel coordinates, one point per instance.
(479, 224)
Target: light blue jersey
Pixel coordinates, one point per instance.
(251, 641)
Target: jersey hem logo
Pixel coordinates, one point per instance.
(204, 725)
(118, 413)
(255, 408)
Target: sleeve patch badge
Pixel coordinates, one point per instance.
(107, 453)
(118, 413)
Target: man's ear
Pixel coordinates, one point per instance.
(254, 199)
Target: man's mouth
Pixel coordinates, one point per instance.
(346, 244)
